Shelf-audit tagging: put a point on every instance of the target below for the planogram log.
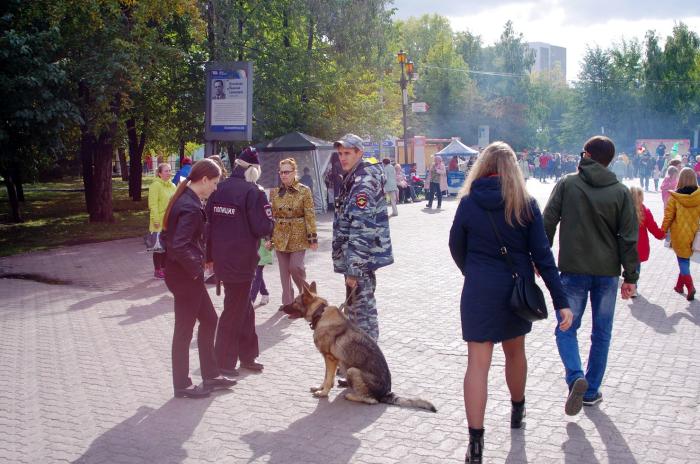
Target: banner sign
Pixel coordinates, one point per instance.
(229, 101)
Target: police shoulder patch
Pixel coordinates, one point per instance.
(268, 211)
(361, 200)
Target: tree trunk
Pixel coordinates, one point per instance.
(211, 34)
(181, 150)
(16, 174)
(15, 215)
(96, 157)
(122, 163)
(135, 158)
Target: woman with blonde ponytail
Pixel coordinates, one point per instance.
(183, 228)
(496, 211)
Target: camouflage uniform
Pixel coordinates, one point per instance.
(361, 240)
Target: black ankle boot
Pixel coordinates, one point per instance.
(476, 446)
(517, 414)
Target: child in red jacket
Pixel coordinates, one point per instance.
(647, 225)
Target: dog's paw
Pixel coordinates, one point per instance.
(315, 389)
(321, 394)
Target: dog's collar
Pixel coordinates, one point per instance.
(316, 316)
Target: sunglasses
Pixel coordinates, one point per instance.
(285, 172)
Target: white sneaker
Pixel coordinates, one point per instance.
(264, 299)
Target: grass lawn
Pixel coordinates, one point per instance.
(55, 218)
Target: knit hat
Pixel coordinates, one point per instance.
(248, 157)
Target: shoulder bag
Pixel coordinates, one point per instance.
(527, 299)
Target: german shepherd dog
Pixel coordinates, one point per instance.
(342, 343)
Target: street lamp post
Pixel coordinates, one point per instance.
(406, 68)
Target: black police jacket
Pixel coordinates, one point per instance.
(184, 235)
(239, 216)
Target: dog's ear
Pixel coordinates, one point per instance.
(313, 287)
(305, 289)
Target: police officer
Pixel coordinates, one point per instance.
(361, 241)
(240, 216)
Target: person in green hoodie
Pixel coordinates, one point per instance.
(597, 236)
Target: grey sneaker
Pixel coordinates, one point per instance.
(574, 401)
(593, 401)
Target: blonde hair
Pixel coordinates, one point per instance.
(638, 200)
(499, 159)
(217, 159)
(672, 171)
(687, 178)
(290, 161)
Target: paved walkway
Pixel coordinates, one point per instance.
(85, 369)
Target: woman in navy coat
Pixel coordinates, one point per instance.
(496, 186)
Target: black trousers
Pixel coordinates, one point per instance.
(158, 261)
(434, 190)
(192, 303)
(235, 337)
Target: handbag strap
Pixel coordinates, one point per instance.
(503, 250)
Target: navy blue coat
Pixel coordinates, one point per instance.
(239, 216)
(488, 282)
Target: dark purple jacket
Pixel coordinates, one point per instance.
(239, 216)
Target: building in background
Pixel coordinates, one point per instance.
(549, 59)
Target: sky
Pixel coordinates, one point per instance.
(573, 24)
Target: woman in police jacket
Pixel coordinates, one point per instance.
(183, 228)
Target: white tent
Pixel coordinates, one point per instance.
(456, 148)
(455, 179)
(309, 152)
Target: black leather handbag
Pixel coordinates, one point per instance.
(527, 299)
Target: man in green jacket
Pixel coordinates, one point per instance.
(597, 236)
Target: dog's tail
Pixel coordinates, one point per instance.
(391, 398)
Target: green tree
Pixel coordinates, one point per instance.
(35, 109)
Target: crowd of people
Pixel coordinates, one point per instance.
(498, 234)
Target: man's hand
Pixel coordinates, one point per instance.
(627, 290)
(209, 267)
(268, 245)
(351, 281)
(314, 246)
(567, 317)
(156, 225)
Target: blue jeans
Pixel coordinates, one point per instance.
(683, 265)
(603, 292)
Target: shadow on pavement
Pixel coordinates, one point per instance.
(271, 332)
(146, 289)
(618, 451)
(694, 310)
(150, 435)
(654, 315)
(517, 453)
(324, 436)
(577, 449)
(140, 313)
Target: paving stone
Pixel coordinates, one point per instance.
(85, 368)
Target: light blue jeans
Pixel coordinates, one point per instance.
(603, 292)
